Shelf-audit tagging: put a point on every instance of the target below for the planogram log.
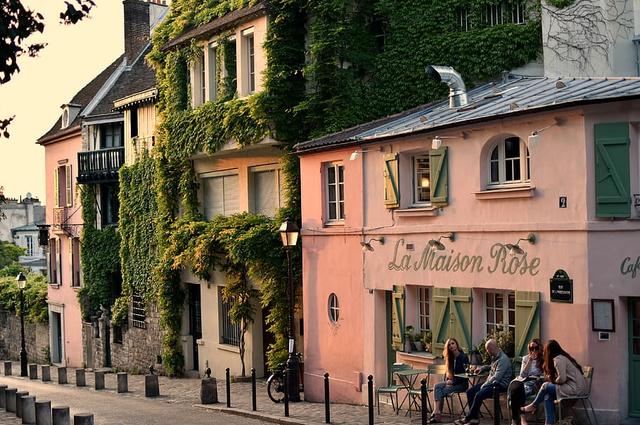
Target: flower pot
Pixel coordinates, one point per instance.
(419, 346)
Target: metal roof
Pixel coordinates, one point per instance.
(513, 96)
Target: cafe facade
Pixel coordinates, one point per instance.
(512, 210)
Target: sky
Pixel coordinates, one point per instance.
(74, 55)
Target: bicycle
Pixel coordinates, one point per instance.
(275, 382)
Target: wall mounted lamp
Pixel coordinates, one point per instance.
(366, 246)
(439, 246)
(515, 248)
(534, 138)
(356, 154)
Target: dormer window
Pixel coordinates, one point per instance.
(65, 118)
(69, 113)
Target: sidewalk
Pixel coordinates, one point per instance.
(186, 392)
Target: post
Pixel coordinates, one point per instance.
(228, 383)
(2, 396)
(496, 405)
(423, 401)
(123, 382)
(33, 371)
(81, 380)
(10, 403)
(254, 406)
(19, 396)
(43, 412)
(151, 386)
(29, 410)
(46, 373)
(99, 381)
(62, 375)
(60, 415)
(208, 389)
(23, 349)
(327, 400)
(293, 364)
(370, 397)
(83, 419)
(285, 381)
(7, 368)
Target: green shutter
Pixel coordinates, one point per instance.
(440, 323)
(461, 314)
(397, 318)
(391, 181)
(612, 170)
(527, 320)
(439, 171)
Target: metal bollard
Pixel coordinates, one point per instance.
(254, 404)
(19, 396)
(10, 403)
(370, 396)
(7, 368)
(29, 410)
(83, 419)
(43, 412)
(123, 382)
(33, 371)
(228, 379)
(81, 380)
(99, 381)
(423, 402)
(286, 393)
(496, 406)
(2, 396)
(46, 373)
(327, 400)
(62, 375)
(60, 415)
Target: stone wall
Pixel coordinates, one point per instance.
(36, 337)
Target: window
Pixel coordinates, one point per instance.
(55, 260)
(63, 186)
(29, 245)
(424, 309)
(250, 65)
(111, 135)
(117, 334)
(220, 194)
(229, 331)
(265, 190)
(509, 163)
(133, 122)
(109, 204)
(75, 261)
(212, 71)
(335, 192)
(500, 311)
(421, 180)
(505, 12)
(202, 86)
(65, 118)
(138, 312)
(333, 308)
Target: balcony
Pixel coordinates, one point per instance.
(100, 166)
(60, 216)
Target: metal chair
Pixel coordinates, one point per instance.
(441, 370)
(415, 394)
(588, 375)
(393, 387)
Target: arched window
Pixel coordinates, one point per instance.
(508, 163)
(65, 118)
(333, 308)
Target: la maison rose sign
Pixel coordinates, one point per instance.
(498, 260)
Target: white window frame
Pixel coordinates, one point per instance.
(29, 245)
(198, 80)
(339, 202)
(68, 185)
(523, 162)
(212, 81)
(226, 324)
(333, 308)
(279, 187)
(423, 308)
(415, 182)
(224, 173)
(504, 309)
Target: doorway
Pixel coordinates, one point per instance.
(56, 337)
(195, 321)
(634, 357)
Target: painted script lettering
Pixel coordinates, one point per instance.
(627, 267)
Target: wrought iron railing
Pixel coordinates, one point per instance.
(100, 165)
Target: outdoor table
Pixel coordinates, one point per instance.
(473, 378)
(408, 379)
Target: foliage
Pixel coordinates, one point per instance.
(9, 253)
(505, 339)
(560, 3)
(99, 257)
(12, 270)
(35, 297)
(120, 311)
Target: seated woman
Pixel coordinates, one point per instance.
(527, 382)
(564, 378)
(455, 361)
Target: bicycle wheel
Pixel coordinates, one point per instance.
(275, 388)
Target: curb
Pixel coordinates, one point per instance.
(253, 415)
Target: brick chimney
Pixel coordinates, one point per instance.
(136, 28)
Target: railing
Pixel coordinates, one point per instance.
(100, 165)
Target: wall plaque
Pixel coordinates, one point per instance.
(561, 287)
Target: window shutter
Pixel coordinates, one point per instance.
(439, 176)
(56, 188)
(69, 186)
(527, 320)
(391, 185)
(212, 195)
(59, 261)
(53, 273)
(440, 323)
(612, 170)
(461, 314)
(231, 194)
(397, 318)
(265, 187)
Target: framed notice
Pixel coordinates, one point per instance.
(602, 317)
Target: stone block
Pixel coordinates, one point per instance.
(209, 391)
(29, 410)
(43, 412)
(19, 396)
(2, 396)
(62, 375)
(123, 382)
(10, 403)
(81, 380)
(33, 371)
(46, 373)
(83, 419)
(60, 415)
(7, 368)
(151, 386)
(99, 380)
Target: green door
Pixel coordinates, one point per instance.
(391, 352)
(634, 357)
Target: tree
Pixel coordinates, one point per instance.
(9, 253)
(17, 24)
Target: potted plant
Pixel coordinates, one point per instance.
(408, 338)
(426, 340)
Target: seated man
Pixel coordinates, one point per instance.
(500, 375)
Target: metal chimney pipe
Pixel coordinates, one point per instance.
(457, 89)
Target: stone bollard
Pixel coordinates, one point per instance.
(80, 378)
(99, 384)
(60, 415)
(151, 386)
(208, 390)
(123, 382)
(62, 375)
(29, 410)
(33, 371)
(46, 373)
(10, 403)
(2, 396)
(43, 412)
(19, 396)
(83, 419)
(7, 368)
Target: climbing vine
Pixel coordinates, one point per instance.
(559, 4)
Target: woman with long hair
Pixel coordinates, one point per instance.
(456, 362)
(527, 382)
(564, 378)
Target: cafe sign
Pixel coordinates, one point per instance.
(630, 267)
(498, 260)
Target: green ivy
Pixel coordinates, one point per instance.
(35, 297)
(560, 4)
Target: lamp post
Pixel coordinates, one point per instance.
(289, 233)
(21, 279)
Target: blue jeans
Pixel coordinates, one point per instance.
(547, 394)
(475, 396)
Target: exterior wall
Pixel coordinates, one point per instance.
(36, 337)
(63, 295)
(17, 214)
(259, 26)
(146, 131)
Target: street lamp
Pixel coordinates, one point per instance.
(289, 233)
(21, 279)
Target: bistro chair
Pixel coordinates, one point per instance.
(394, 386)
(441, 370)
(588, 374)
(415, 394)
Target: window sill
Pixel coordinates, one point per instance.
(227, 347)
(334, 223)
(429, 211)
(506, 193)
(54, 285)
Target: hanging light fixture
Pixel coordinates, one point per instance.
(439, 246)
(515, 249)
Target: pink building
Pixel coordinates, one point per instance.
(513, 210)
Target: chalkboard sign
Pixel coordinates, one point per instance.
(561, 287)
